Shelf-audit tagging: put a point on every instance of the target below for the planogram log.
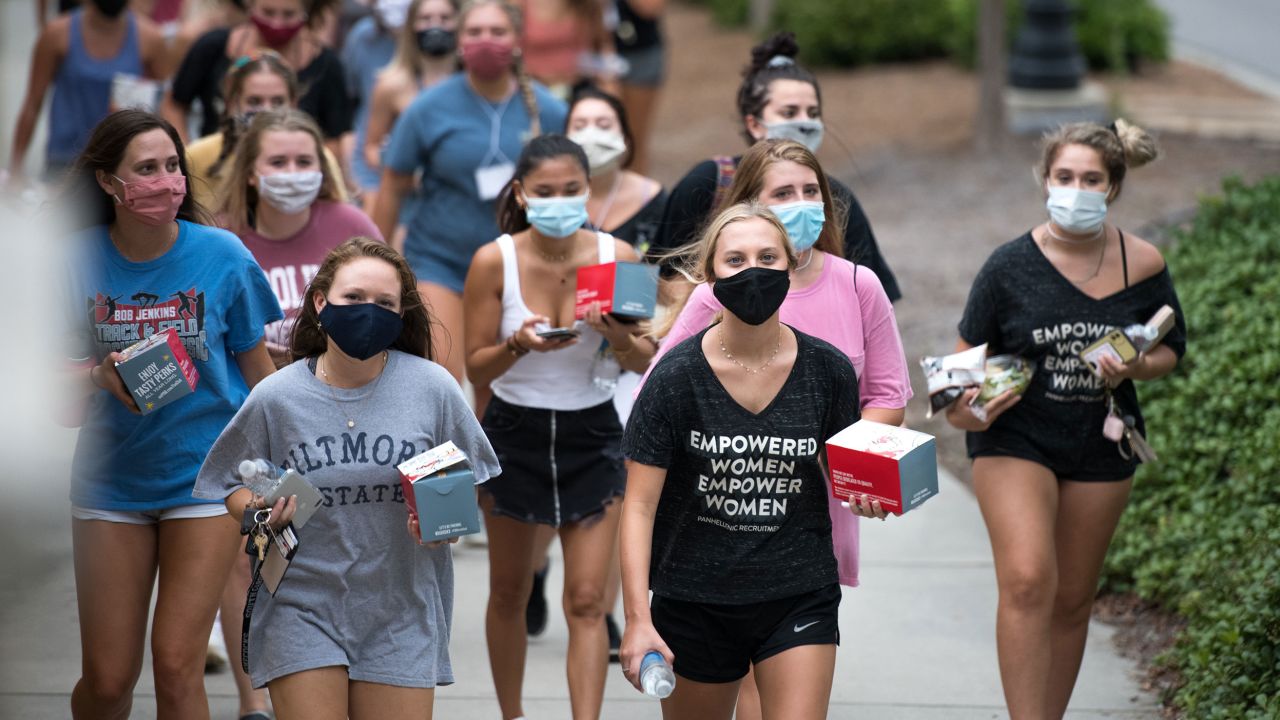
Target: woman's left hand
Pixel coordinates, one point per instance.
(615, 331)
(1116, 372)
(415, 532)
(863, 506)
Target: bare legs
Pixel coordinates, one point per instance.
(445, 307)
(328, 694)
(1048, 538)
(116, 566)
(795, 684)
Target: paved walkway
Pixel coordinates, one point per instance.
(918, 636)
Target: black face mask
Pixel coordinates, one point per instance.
(361, 331)
(437, 42)
(754, 294)
(110, 8)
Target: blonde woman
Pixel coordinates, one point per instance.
(464, 136)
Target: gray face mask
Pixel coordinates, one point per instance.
(805, 132)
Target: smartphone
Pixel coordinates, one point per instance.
(1113, 344)
(558, 333)
(309, 499)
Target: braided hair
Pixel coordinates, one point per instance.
(516, 17)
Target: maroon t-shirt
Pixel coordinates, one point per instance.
(291, 262)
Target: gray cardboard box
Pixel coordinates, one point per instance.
(157, 371)
(439, 487)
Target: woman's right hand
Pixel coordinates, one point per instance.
(527, 336)
(106, 376)
(639, 639)
(961, 416)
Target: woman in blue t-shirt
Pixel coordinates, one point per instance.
(143, 265)
(464, 136)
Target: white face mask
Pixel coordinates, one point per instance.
(392, 13)
(604, 148)
(1076, 210)
(806, 132)
(290, 193)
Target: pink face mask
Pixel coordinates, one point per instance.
(154, 201)
(276, 35)
(487, 59)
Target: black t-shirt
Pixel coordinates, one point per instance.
(1022, 305)
(634, 32)
(639, 230)
(743, 513)
(323, 89)
(689, 208)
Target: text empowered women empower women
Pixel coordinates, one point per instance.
(740, 485)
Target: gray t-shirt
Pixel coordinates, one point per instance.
(360, 592)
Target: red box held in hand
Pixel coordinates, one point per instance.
(897, 466)
(624, 289)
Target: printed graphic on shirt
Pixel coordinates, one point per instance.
(1070, 378)
(117, 325)
(348, 449)
(749, 480)
(289, 283)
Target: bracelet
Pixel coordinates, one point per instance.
(515, 348)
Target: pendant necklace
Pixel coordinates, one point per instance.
(351, 421)
(777, 343)
(1050, 233)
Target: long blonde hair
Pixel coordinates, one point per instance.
(236, 197)
(700, 265)
(748, 183)
(516, 17)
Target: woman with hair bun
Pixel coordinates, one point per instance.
(1051, 484)
(778, 99)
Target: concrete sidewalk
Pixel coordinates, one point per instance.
(919, 640)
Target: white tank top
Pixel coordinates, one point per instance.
(558, 380)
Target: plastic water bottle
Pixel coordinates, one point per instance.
(656, 678)
(259, 475)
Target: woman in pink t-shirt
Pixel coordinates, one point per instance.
(284, 203)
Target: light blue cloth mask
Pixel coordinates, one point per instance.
(803, 220)
(1076, 210)
(557, 217)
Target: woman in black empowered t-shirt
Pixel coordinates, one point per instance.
(725, 516)
(1050, 485)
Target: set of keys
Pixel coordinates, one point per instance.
(1123, 428)
(255, 524)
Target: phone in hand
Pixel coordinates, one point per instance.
(1115, 344)
(558, 333)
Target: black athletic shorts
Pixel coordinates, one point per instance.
(718, 643)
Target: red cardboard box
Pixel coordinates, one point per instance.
(625, 289)
(897, 466)
(157, 371)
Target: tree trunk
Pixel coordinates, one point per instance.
(989, 125)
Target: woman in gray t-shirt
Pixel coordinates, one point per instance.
(362, 607)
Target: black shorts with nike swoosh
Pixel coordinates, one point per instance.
(718, 643)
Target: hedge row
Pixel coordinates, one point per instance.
(1113, 35)
(1202, 532)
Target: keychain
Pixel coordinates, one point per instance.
(1120, 429)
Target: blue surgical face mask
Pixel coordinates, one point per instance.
(803, 220)
(361, 330)
(806, 132)
(557, 217)
(1076, 210)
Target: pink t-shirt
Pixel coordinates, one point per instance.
(290, 263)
(847, 307)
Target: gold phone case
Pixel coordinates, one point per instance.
(1114, 344)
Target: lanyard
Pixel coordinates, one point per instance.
(495, 129)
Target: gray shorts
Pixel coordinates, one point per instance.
(647, 67)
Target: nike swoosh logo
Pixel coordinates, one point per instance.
(799, 628)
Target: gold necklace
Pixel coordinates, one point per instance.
(777, 343)
(351, 421)
(1049, 233)
(548, 256)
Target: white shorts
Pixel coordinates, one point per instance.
(150, 517)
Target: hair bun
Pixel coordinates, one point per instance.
(1139, 147)
(780, 45)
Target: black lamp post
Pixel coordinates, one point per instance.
(1045, 53)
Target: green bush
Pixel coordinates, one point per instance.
(1113, 35)
(1202, 531)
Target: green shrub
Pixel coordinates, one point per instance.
(1202, 531)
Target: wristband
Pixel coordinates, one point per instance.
(515, 348)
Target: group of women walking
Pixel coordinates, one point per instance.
(336, 344)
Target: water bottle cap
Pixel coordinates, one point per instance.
(247, 469)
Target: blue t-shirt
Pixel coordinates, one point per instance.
(367, 49)
(208, 287)
(445, 132)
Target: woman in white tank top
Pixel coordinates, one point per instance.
(551, 420)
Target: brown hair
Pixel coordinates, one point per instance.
(236, 197)
(773, 59)
(409, 57)
(261, 61)
(748, 183)
(1121, 146)
(516, 17)
(700, 267)
(105, 151)
(309, 338)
